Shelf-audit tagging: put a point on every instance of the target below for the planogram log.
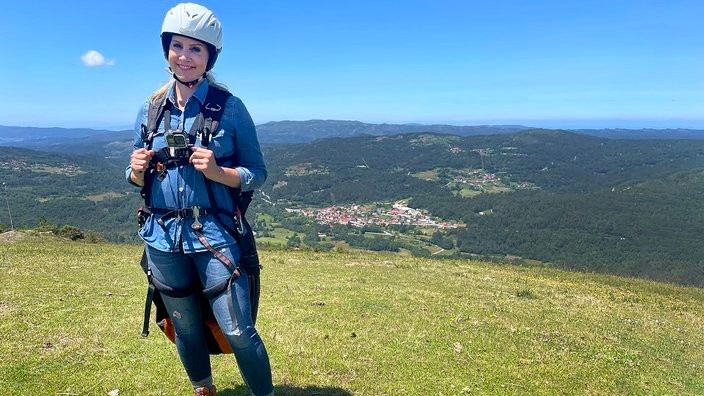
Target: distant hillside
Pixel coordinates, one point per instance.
(69, 140)
(548, 159)
(88, 191)
(679, 133)
(111, 143)
(629, 207)
(37, 137)
(308, 131)
(119, 143)
(623, 206)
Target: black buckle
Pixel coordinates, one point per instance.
(195, 212)
(142, 216)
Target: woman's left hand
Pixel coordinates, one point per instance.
(204, 161)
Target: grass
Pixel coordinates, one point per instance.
(279, 236)
(355, 323)
(72, 171)
(104, 196)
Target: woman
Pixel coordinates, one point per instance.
(186, 234)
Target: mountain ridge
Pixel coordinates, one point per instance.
(291, 132)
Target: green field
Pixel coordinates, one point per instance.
(354, 323)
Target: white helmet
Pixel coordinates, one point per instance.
(194, 21)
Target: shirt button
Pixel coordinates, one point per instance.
(180, 189)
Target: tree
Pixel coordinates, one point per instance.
(294, 241)
(71, 232)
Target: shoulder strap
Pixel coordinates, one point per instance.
(155, 114)
(158, 110)
(212, 110)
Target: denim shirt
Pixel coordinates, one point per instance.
(184, 186)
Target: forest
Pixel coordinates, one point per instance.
(630, 207)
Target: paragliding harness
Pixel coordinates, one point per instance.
(177, 153)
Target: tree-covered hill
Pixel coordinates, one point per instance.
(622, 206)
(332, 169)
(113, 143)
(308, 131)
(88, 191)
(649, 229)
(116, 144)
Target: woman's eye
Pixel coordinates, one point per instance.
(176, 45)
(196, 49)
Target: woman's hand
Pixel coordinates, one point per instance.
(204, 161)
(139, 163)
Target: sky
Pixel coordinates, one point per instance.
(542, 63)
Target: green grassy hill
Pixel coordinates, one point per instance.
(349, 323)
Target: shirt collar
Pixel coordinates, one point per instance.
(200, 93)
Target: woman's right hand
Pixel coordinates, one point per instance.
(139, 163)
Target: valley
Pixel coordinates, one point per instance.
(559, 198)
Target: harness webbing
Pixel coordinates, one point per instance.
(204, 125)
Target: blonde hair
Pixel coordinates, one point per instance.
(158, 95)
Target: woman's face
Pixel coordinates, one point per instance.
(187, 57)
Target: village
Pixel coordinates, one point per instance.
(478, 179)
(20, 165)
(361, 216)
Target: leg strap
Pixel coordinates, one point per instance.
(148, 309)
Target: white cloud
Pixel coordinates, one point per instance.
(94, 58)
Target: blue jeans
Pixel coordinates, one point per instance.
(180, 270)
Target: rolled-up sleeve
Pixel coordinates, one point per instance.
(250, 161)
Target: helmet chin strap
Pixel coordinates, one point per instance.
(189, 84)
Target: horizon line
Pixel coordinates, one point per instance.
(570, 124)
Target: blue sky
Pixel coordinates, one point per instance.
(561, 64)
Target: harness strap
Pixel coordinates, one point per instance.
(155, 113)
(195, 212)
(242, 234)
(254, 291)
(216, 290)
(235, 273)
(154, 116)
(154, 286)
(205, 123)
(212, 111)
(167, 117)
(218, 254)
(162, 158)
(148, 308)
